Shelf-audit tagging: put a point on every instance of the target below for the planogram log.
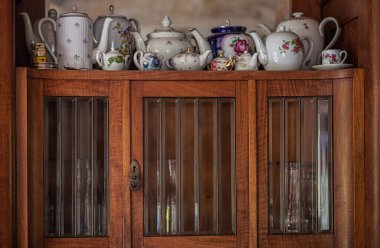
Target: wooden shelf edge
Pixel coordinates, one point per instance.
(189, 75)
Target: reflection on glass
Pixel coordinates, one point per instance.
(300, 164)
(189, 154)
(76, 166)
(324, 163)
(52, 167)
(276, 165)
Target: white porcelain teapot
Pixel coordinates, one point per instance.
(246, 61)
(188, 61)
(282, 50)
(309, 28)
(112, 60)
(165, 41)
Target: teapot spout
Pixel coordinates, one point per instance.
(140, 44)
(261, 49)
(30, 37)
(253, 63)
(103, 40)
(202, 43)
(204, 57)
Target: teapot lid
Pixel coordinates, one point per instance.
(227, 28)
(74, 13)
(298, 16)
(112, 13)
(166, 31)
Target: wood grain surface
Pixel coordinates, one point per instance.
(7, 127)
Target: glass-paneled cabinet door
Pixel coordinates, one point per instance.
(79, 185)
(189, 152)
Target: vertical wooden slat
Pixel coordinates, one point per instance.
(22, 154)
(137, 153)
(126, 136)
(343, 165)
(7, 94)
(35, 163)
(252, 144)
(242, 163)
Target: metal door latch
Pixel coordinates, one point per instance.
(134, 176)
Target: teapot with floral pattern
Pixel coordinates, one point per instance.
(112, 60)
(282, 50)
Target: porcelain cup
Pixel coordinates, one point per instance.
(333, 56)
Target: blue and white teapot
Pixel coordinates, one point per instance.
(147, 60)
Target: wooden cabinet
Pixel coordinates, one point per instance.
(196, 148)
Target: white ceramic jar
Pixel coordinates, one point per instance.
(74, 40)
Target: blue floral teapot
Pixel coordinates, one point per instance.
(147, 61)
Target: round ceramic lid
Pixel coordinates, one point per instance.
(227, 28)
(112, 13)
(166, 31)
(74, 13)
(298, 16)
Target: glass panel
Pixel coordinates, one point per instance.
(189, 167)
(308, 164)
(83, 171)
(152, 158)
(100, 147)
(324, 163)
(170, 160)
(276, 165)
(52, 177)
(292, 165)
(300, 188)
(67, 161)
(189, 155)
(208, 166)
(226, 156)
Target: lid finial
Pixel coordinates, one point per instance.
(166, 22)
(228, 22)
(298, 14)
(74, 9)
(112, 9)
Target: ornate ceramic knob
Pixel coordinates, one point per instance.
(74, 9)
(166, 22)
(298, 14)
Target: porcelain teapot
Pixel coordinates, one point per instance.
(221, 63)
(74, 40)
(32, 36)
(165, 41)
(119, 32)
(309, 28)
(246, 61)
(112, 60)
(231, 39)
(188, 61)
(282, 50)
(147, 60)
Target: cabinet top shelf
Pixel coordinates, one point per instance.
(188, 75)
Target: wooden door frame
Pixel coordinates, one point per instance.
(141, 89)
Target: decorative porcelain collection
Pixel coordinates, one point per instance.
(310, 29)
(112, 41)
(164, 41)
(120, 33)
(188, 61)
(147, 60)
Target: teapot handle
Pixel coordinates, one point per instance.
(337, 33)
(137, 59)
(136, 24)
(307, 60)
(169, 64)
(47, 19)
(99, 58)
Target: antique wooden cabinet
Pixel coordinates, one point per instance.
(184, 159)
